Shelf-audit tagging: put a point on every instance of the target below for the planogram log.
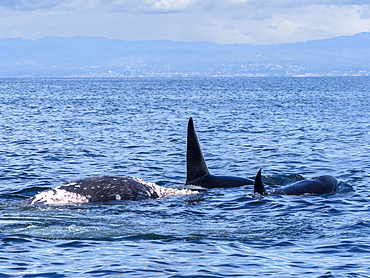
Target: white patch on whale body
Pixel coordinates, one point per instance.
(58, 197)
(162, 191)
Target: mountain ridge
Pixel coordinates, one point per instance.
(103, 57)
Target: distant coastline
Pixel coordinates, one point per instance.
(100, 57)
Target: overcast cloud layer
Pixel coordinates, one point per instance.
(220, 21)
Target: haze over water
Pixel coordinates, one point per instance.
(57, 130)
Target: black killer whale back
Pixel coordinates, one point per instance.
(316, 186)
(197, 170)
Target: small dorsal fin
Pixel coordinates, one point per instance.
(258, 184)
(196, 166)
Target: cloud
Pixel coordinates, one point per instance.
(365, 13)
(127, 6)
(303, 23)
(28, 4)
(221, 21)
(171, 6)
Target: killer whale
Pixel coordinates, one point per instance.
(104, 189)
(197, 170)
(316, 186)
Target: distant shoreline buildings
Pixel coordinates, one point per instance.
(107, 58)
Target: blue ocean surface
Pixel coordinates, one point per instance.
(57, 130)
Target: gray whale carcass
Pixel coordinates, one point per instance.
(315, 186)
(197, 171)
(104, 189)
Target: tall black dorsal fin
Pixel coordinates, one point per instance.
(258, 184)
(196, 166)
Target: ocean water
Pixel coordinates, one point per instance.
(57, 130)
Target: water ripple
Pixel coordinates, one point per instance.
(57, 130)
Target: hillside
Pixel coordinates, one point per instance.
(100, 57)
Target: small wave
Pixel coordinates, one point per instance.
(344, 187)
(23, 194)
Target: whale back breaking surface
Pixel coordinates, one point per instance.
(105, 189)
(316, 186)
(109, 188)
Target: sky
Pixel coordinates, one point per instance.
(255, 22)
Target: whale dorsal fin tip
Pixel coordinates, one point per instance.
(195, 163)
(258, 184)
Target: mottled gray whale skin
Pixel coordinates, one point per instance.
(197, 170)
(104, 189)
(316, 186)
(110, 188)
